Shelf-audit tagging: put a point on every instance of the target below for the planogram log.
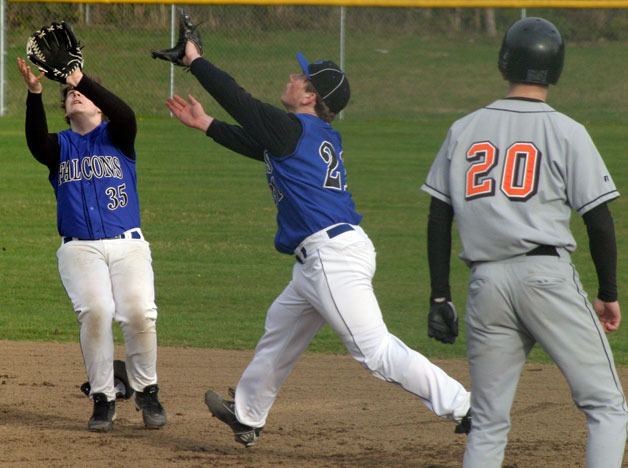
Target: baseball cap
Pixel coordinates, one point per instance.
(328, 80)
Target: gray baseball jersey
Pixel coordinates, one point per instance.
(513, 171)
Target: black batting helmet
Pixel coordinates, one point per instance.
(532, 52)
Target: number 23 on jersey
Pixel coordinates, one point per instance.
(519, 177)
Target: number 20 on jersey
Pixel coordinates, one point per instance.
(519, 177)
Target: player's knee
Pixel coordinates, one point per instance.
(96, 311)
(376, 359)
(610, 412)
(136, 306)
(388, 359)
(139, 319)
(95, 321)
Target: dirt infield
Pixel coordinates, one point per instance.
(330, 413)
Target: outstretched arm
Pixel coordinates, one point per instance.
(233, 137)
(272, 128)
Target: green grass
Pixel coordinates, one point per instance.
(210, 220)
(208, 213)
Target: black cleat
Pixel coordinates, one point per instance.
(464, 426)
(153, 413)
(103, 415)
(120, 382)
(225, 411)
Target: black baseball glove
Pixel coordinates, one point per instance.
(187, 32)
(442, 321)
(120, 382)
(55, 51)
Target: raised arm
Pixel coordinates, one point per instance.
(122, 121)
(43, 145)
(233, 137)
(274, 129)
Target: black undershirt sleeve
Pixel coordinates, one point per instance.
(122, 122)
(439, 226)
(261, 125)
(43, 145)
(602, 245)
(236, 139)
(603, 248)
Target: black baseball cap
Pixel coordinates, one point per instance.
(328, 80)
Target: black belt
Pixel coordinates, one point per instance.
(131, 235)
(331, 233)
(543, 250)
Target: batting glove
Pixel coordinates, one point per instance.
(442, 321)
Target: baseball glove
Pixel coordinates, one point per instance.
(55, 51)
(442, 322)
(187, 32)
(120, 382)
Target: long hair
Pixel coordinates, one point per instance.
(320, 107)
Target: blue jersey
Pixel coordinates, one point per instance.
(309, 186)
(95, 186)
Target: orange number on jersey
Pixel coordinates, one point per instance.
(484, 157)
(520, 177)
(521, 171)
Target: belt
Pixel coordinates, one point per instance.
(331, 233)
(132, 234)
(543, 250)
(337, 230)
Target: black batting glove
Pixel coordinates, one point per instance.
(442, 321)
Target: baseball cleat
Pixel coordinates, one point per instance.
(103, 415)
(464, 426)
(225, 411)
(153, 413)
(121, 383)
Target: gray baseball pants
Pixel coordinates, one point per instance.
(513, 304)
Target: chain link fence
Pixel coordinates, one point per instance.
(400, 61)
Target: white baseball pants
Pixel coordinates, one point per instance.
(332, 284)
(106, 280)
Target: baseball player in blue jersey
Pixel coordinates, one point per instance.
(511, 173)
(104, 261)
(318, 224)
